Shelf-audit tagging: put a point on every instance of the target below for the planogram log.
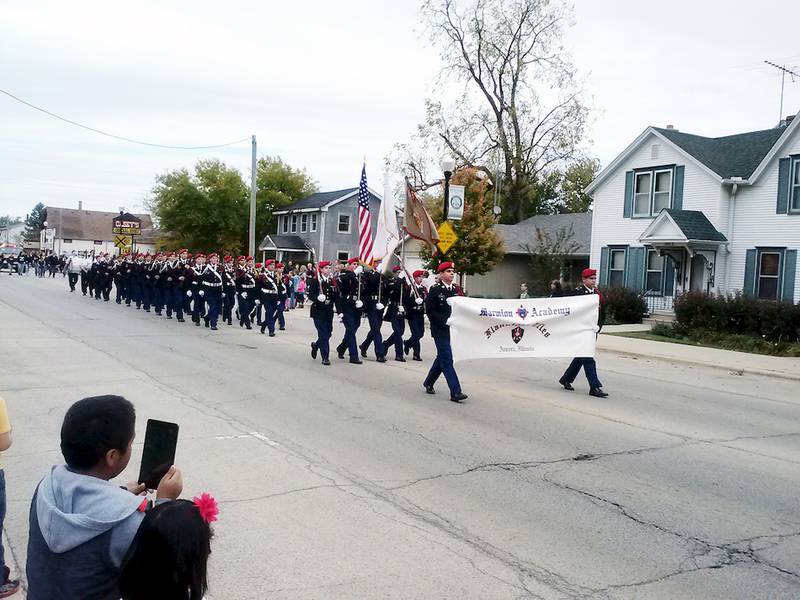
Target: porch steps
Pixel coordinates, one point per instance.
(659, 317)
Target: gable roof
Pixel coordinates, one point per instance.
(671, 225)
(76, 224)
(322, 200)
(289, 243)
(728, 156)
(521, 238)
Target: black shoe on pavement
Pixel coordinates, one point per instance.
(356, 361)
(326, 362)
(429, 389)
(249, 327)
(363, 351)
(340, 355)
(597, 392)
(281, 328)
(197, 323)
(313, 351)
(567, 385)
(380, 358)
(400, 358)
(271, 334)
(460, 396)
(213, 328)
(417, 358)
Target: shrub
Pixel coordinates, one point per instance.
(623, 305)
(774, 322)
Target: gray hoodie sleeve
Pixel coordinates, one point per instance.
(122, 535)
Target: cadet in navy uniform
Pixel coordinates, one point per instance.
(322, 296)
(350, 305)
(245, 290)
(415, 310)
(198, 303)
(397, 292)
(228, 290)
(283, 294)
(211, 290)
(438, 312)
(589, 286)
(373, 295)
(268, 288)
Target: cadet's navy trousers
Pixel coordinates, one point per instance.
(443, 364)
(589, 367)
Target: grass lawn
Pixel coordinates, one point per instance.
(736, 343)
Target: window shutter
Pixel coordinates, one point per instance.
(783, 186)
(634, 268)
(749, 287)
(628, 207)
(604, 266)
(677, 187)
(789, 271)
(669, 276)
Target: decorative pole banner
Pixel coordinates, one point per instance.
(531, 328)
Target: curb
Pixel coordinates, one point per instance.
(761, 372)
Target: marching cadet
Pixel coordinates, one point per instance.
(148, 282)
(174, 289)
(438, 312)
(97, 276)
(283, 294)
(268, 289)
(137, 278)
(350, 306)
(322, 296)
(245, 290)
(588, 286)
(373, 294)
(228, 290)
(115, 278)
(159, 279)
(415, 310)
(397, 291)
(211, 290)
(85, 266)
(185, 279)
(196, 275)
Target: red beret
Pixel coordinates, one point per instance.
(588, 273)
(258, 265)
(199, 255)
(269, 262)
(324, 263)
(249, 258)
(396, 269)
(279, 266)
(213, 254)
(228, 258)
(188, 254)
(171, 254)
(240, 258)
(444, 266)
(352, 260)
(419, 273)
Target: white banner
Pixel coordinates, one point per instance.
(531, 328)
(455, 200)
(387, 234)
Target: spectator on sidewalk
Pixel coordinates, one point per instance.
(523, 291)
(8, 586)
(301, 290)
(556, 289)
(168, 558)
(81, 524)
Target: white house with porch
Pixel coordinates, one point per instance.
(677, 212)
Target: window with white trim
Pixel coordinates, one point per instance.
(652, 192)
(662, 191)
(342, 255)
(313, 227)
(794, 190)
(294, 224)
(769, 268)
(344, 223)
(654, 278)
(641, 195)
(303, 223)
(616, 268)
(285, 226)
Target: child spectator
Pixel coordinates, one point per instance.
(169, 555)
(82, 525)
(8, 586)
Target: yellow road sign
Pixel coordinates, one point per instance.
(447, 237)
(122, 241)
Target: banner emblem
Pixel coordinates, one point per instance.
(517, 333)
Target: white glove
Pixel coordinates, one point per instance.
(321, 298)
(202, 293)
(418, 300)
(244, 294)
(596, 328)
(359, 304)
(401, 310)
(379, 306)
(401, 275)
(189, 293)
(358, 270)
(258, 302)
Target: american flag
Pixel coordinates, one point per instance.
(364, 221)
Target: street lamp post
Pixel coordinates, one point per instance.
(447, 164)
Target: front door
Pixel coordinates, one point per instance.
(698, 276)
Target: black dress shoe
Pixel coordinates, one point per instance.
(458, 397)
(213, 328)
(181, 320)
(248, 327)
(197, 324)
(400, 359)
(313, 351)
(326, 362)
(363, 351)
(340, 355)
(271, 334)
(567, 385)
(169, 316)
(417, 358)
(355, 361)
(597, 392)
(429, 389)
(381, 359)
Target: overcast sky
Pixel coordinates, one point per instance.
(324, 84)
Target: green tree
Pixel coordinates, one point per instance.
(34, 223)
(277, 186)
(478, 248)
(8, 221)
(572, 197)
(548, 255)
(206, 210)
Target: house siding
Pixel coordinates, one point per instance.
(346, 242)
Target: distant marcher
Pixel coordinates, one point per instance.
(556, 290)
(523, 291)
(168, 558)
(8, 586)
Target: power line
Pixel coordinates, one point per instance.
(784, 71)
(118, 137)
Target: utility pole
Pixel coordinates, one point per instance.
(783, 71)
(252, 238)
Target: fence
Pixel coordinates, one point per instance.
(657, 303)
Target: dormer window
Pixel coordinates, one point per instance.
(794, 192)
(652, 192)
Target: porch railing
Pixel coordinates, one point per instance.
(658, 303)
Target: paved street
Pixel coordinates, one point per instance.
(350, 482)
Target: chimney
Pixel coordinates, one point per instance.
(80, 204)
(789, 119)
(671, 127)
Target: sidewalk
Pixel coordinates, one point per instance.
(728, 360)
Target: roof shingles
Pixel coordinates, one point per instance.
(695, 225)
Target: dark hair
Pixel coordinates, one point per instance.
(93, 426)
(169, 555)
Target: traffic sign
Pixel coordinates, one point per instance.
(122, 241)
(447, 237)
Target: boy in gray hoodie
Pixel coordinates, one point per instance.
(81, 525)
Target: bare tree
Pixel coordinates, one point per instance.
(518, 113)
(548, 257)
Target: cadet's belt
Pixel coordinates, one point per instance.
(209, 284)
(248, 287)
(265, 291)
